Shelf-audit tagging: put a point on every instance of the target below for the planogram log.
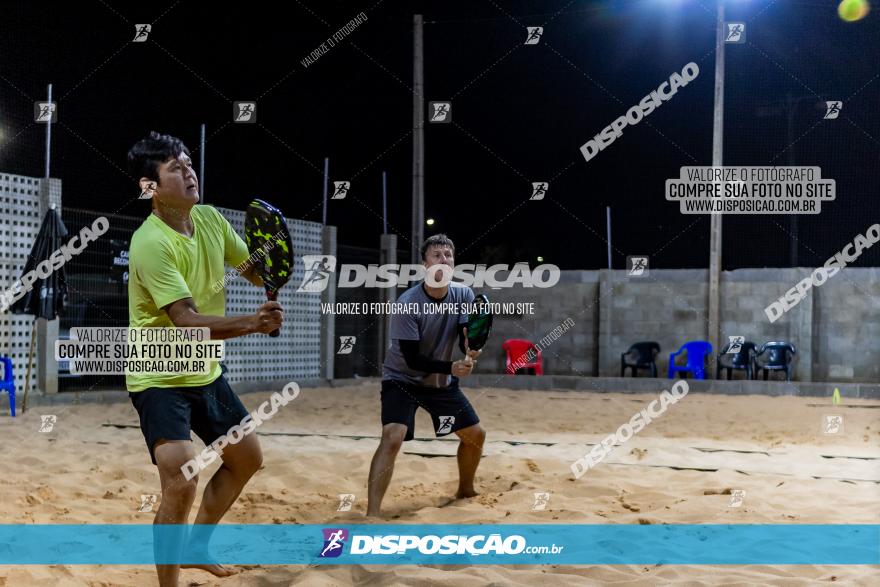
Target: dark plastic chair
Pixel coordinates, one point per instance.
(743, 360)
(8, 382)
(696, 359)
(515, 349)
(779, 356)
(641, 355)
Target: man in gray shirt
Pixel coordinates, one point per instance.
(419, 372)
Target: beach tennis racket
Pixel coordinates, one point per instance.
(269, 242)
(479, 323)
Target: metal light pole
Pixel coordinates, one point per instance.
(48, 135)
(418, 188)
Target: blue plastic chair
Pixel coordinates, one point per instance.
(696, 359)
(8, 382)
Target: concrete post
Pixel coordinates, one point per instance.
(606, 311)
(418, 161)
(328, 296)
(715, 220)
(802, 335)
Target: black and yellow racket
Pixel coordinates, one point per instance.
(269, 243)
(479, 323)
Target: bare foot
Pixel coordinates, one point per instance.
(215, 569)
(465, 493)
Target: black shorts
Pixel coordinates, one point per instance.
(449, 408)
(170, 413)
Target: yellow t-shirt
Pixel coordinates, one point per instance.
(165, 266)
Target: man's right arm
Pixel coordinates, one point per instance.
(184, 314)
(158, 274)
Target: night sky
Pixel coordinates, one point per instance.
(520, 113)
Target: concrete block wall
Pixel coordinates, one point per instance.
(575, 296)
(834, 328)
(847, 323)
(669, 307)
(744, 295)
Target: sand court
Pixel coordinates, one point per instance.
(685, 467)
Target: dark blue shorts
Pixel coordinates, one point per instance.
(170, 413)
(449, 408)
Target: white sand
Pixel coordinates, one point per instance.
(84, 472)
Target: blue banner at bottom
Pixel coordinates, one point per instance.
(569, 544)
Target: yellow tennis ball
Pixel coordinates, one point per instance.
(853, 10)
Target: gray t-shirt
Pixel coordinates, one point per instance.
(437, 332)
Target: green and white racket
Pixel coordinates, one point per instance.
(479, 323)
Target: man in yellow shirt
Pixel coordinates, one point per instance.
(176, 258)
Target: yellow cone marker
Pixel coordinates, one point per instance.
(835, 399)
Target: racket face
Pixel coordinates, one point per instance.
(265, 230)
(479, 323)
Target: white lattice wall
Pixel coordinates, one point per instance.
(19, 223)
(296, 353)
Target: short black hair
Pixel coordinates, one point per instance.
(145, 157)
(438, 240)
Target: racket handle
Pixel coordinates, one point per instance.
(272, 295)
